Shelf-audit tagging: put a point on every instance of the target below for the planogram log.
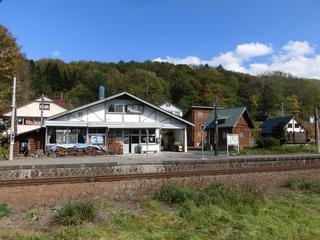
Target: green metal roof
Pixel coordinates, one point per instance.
(228, 117)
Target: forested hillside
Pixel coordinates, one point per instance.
(153, 81)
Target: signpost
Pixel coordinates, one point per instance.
(233, 140)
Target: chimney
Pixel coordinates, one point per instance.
(101, 92)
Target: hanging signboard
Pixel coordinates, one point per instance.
(233, 140)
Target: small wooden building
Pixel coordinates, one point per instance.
(289, 129)
(230, 121)
(198, 116)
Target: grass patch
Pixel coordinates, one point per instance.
(214, 212)
(172, 193)
(15, 235)
(74, 213)
(79, 233)
(284, 149)
(33, 215)
(303, 183)
(5, 210)
(213, 194)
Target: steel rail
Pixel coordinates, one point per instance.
(138, 176)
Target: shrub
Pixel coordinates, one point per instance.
(76, 213)
(303, 183)
(267, 142)
(33, 215)
(3, 153)
(173, 193)
(5, 211)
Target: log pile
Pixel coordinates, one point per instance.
(114, 147)
(90, 151)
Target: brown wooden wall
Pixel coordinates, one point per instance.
(35, 141)
(242, 129)
(194, 133)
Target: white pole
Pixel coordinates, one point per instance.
(13, 117)
(42, 103)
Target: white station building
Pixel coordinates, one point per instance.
(137, 124)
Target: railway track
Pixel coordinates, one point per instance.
(123, 177)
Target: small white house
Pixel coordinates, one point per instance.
(290, 127)
(29, 115)
(169, 107)
(138, 125)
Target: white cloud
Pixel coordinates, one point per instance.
(295, 57)
(249, 50)
(56, 53)
(296, 48)
(190, 60)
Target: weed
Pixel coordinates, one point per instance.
(76, 213)
(5, 211)
(303, 183)
(173, 193)
(33, 215)
(78, 233)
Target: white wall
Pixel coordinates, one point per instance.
(99, 114)
(293, 122)
(32, 109)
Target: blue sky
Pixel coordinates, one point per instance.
(249, 35)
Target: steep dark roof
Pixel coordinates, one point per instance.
(269, 124)
(230, 117)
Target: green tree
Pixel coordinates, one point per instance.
(10, 60)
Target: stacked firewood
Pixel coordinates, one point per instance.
(114, 147)
(73, 151)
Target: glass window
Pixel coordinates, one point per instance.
(97, 139)
(297, 125)
(241, 135)
(111, 108)
(97, 130)
(290, 125)
(80, 114)
(135, 139)
(143, 139)
(152, 131)
(135, 131)
(199, 114)
(118, 108)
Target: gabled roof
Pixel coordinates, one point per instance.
(117, 96)
(45, 99)
(230, 117)
(268, 125)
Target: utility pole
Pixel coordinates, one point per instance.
(13, 118)
(202, 147)
(282, 109)
(42, 106)
(316, 124)
(216, 132)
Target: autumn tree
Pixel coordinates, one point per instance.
(10, 61)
